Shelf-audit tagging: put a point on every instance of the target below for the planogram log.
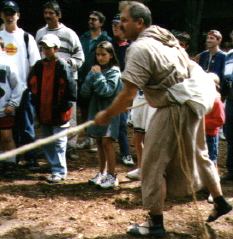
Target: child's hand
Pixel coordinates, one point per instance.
(9, 110)
(95, 68)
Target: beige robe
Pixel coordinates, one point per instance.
(175, 143)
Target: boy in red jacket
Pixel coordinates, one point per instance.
(53, 88)
(213, 121)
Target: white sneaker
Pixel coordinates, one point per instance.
(85, 144)
(221, 134)
(97, 179)
(210, 199)
(134, 174)
(93, 150)
(108, 181)
(55, 179)
(128, 160)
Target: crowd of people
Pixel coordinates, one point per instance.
(82, 58)
(58, 71)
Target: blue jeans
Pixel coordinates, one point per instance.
(122, 138)
(23, 130)
(212, 143)
(229, 134)
(56, 151)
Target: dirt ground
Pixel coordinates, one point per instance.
(30, 208)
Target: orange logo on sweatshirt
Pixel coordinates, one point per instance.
(11, 49)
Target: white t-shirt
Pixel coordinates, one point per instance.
(16, 52)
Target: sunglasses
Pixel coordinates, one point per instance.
(115, 25)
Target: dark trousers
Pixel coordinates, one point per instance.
(23, 131)
(122, 138)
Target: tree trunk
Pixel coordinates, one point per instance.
(194, 10)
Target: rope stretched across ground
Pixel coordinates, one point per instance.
(40, 142)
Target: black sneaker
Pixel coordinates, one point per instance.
(9, 169)
(33, 166)
(1, 167)
(31, 162)
(221, 207)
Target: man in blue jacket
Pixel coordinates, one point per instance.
(213, 59)
(89, 41)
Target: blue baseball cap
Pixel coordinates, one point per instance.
(116, 18)
(10, 5)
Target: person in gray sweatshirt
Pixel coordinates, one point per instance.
(10, 96)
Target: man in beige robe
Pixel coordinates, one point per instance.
(175, 159)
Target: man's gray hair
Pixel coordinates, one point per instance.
(137, 10)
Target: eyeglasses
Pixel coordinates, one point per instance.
(115, 25)
(93, 19)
